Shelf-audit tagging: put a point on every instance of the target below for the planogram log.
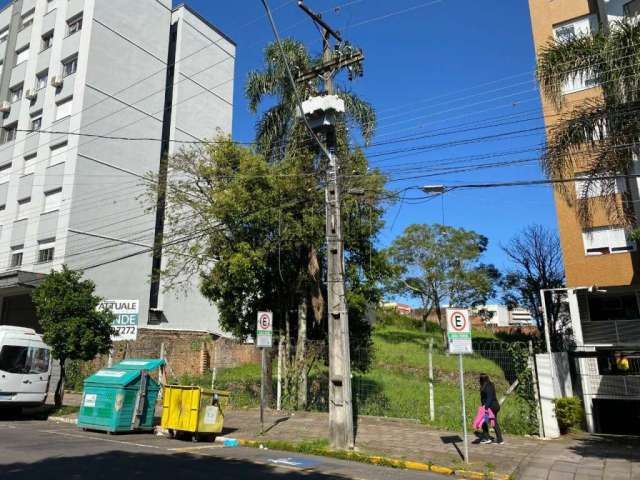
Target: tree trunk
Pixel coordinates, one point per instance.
(286, 363)
(268, 388)
(442, 322)
(59, 395)
(317, 300)
(301, 353)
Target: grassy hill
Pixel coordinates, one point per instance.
(396, 385)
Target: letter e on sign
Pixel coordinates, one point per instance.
(264, 330)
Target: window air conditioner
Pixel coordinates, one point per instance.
(5, 106)
(57, 81)
(31, 94)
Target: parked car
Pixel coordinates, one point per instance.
(25, 368)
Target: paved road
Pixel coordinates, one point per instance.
(45, 450)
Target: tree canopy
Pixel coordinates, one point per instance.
(72, 326)
(441, 264)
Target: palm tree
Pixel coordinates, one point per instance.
(281, 132)
(279, 126)
(600, 136)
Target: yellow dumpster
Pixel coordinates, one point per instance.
(193, 410)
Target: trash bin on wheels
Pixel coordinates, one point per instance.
(193, 410)
(121, 398)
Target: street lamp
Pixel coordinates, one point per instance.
(433, 189)
(436, 190)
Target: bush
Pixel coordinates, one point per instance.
(569, 413)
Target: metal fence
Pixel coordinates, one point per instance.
(397, 383)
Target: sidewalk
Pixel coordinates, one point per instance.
(579, 457)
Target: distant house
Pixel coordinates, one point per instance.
(401, 308)
(503, 316)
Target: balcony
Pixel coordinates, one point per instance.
(611, 332)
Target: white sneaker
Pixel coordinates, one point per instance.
(486, 440)
(501, 442)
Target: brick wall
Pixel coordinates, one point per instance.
(190, 353)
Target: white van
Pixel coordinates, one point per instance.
(25, 367)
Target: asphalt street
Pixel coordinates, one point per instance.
(32, 449)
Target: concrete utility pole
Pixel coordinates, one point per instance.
(341, 433)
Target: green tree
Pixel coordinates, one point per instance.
(440, 264)
(72, 325)
(254, 232)
(599, 136)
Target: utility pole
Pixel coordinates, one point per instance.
(341, 433)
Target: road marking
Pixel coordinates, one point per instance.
(109, 440)
(193, 449)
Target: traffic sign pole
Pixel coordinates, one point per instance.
(464, 411)
(264, 340)
(263, 379)
(459, 336)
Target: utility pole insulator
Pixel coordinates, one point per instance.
(321, 111)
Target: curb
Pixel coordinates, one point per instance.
(72, 421)
(394, 462)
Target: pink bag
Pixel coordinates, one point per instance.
(484, 415)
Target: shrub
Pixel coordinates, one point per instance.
(569, 413)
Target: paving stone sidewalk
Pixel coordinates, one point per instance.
(577, 457)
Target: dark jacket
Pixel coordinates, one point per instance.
(488, 397)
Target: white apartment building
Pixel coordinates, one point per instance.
(74, 74)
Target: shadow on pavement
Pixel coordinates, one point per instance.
(608, 446)
(119, 464)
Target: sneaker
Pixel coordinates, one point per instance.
(486, 440)
(501, 442)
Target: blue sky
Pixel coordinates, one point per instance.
(448, 65)
(449, 71)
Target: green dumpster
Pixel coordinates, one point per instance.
(121, 398)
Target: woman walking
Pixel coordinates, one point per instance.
(489, 400)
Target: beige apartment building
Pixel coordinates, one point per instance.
(601, 262)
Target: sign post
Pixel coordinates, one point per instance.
(459, 336)
(264, 340)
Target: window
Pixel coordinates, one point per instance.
(39, 359)
(566, 31)
(51, 4)
(63, 109)
(598, 188)
(45, 251)
(69, 66)
(52, 200)
(605, 240)
(21, 359)
(29, 164)
(58, 153)
(27, 20)
(8, 133)
(74, 25)
(36, 123)
(23, 207)
(41, 80)
(15, 93)
(4, 34)
(22, 55)
(47, 41)
(13, 359)
(16, 256)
